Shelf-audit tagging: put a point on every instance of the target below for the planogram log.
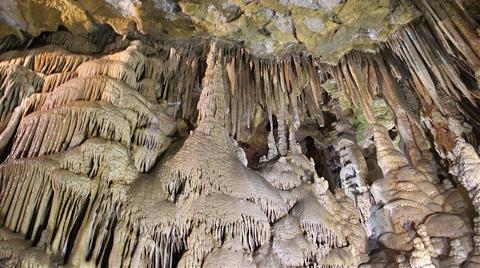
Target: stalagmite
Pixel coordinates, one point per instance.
(420, 257)
(466, 168)
(422, 232)
(406, 197)
(285, 133)
(353, 174)
(231, 179)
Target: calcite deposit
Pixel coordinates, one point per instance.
(242, 133)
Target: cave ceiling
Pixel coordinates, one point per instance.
(276, 133)
(327, 29)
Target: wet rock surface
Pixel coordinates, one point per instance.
(291, 133)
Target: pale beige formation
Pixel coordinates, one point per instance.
(243, 133)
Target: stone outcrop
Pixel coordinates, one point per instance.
(286, 133)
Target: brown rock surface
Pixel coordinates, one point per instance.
(276, 133)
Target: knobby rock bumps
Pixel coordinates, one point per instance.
(141, 153)
(81, 183)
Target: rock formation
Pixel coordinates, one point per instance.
(162, 133)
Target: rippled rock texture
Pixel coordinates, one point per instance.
(327, 28)
(289, 133)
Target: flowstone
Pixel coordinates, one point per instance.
(291, 133)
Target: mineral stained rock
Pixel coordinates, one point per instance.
(243, 133)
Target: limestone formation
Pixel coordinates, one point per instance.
(243, 133)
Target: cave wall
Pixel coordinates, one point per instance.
(216, 134)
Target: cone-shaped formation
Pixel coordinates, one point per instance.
(72, 182)
(128, 151)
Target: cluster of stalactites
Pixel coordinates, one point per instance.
(63, 99)
(289, 88)
(44, 198)
(433, 64)
(440, 60)
(456, 30)
(70, 116)
(364, 78)
(163, 72)
(9, 42)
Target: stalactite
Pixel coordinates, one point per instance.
(57, 129)
(9, 42)
(110, 68)
(355, 70)
(452, 27)
(13, 72)
(96, 174)
(176, 71)
(25, 194)
(71, 42)
(319, 229)
(97, 225)
(70, 194)
(53, 62)
(9, 131)
(415, 142)
(54, 80)
(88, 158)
(202, 243)
(410, 44)
(279, 86)
(96, 88)
(248, 222)
(132, 57)
(152, 142)
(16, 84)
